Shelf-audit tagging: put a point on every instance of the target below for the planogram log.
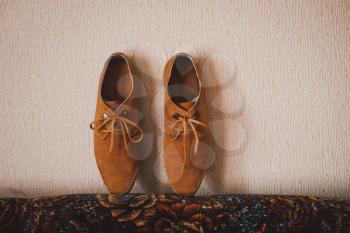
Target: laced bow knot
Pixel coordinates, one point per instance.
(111, 123)
(183, 125)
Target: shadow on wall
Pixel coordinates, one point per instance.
(226, 105)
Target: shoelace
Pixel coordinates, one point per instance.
(120, 121)
(180, 127)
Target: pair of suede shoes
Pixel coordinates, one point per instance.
(118, 125)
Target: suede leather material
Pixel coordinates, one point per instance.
(118, 167)
(179, 158)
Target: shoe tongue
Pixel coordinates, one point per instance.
(112, 104)
(186, 105)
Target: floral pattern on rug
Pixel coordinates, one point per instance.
(171, 213)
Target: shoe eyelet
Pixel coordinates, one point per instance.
(176, 115)
(124, 113)
(196, 115)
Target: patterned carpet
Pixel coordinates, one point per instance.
(171, 213)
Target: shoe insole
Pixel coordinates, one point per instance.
(117, 84)
(183, 86)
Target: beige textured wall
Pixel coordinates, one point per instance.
(277, 74)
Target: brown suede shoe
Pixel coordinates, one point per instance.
(116, 125)
(186, 135)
